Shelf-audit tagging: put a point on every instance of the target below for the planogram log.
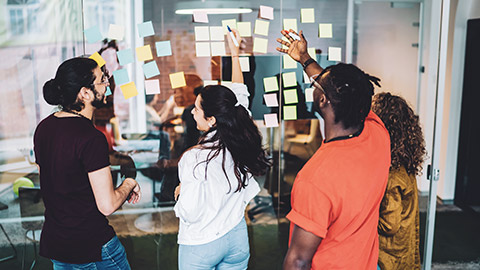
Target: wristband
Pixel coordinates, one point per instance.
(308, 62)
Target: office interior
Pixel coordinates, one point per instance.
(424, 50)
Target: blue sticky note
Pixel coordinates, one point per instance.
(150, 69)
(125, 56)
(146, 29)
(108, 92)
(93, 34)
(163, 48)
(121, 76)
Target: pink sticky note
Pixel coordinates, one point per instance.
(200, 17)
(271, 120)
(266, 12)
(271, 100)
(152, 87)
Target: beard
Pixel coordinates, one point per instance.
(99, 101)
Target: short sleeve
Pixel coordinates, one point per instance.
(311, 208)
(241, 92)
(94, 153)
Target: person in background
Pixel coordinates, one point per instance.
(399, 222)
(336, 196)
(216, 177)
(75, 179)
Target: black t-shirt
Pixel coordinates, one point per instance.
(66, 150)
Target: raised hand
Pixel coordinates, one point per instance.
(297, 49)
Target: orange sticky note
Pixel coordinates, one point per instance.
(177, 80)
(98, 58)
(129, 90)
(144, 53)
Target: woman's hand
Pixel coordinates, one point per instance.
(176, 194)
(234, 50)
(297, 49)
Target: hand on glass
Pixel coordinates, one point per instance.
(297, 49)
(234, 50)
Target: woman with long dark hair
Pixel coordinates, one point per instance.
(398, 227)
(216, 178)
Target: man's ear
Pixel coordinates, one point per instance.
(85, 94)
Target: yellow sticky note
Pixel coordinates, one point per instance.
(244, 29)
(290, 24)
(202, 49)
(260, 45)
(289, 79)
(325, 30)
(261, 27)
(312, 53)
(216, 33)
(218, 48)
(144, 53)
(244, 64)
(290, 96)
(288, 62)
(290, 112)
(202, 33)
(232, 23)
(177, 80)
(308, 15)
(129, 90)
(334, 54)
(270, 84)
(98, 58)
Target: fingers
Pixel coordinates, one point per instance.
(286, 35)
(283, 42)
(282, 50)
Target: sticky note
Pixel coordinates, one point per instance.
(144, 53)
(271, 120)
(93, 34)
(227, 84)
(116, 32)
(108, 92)
(200, 16)
(290, 24)
(306, 79)
(312, 53)
(334, 54)
(177, 80)
(309, 94)
(271, 100)
(98, 58)
(218, 48)
(121, 76)
(290, 96)
(216, 33)
(270, 84)
(152, 87)
(244, 29)
(266, 12)
(150, 69)
(260, 45)
(288, 62)
(261, 27)
(289, 79)
(164, 48)
(290, 112)
(232, 23)
(145, 29)
(129, 90)
(125, 57)
(210, 82)
(307, 15)
(202, 33)
(202, 49)
(325, 30)
(244, 64)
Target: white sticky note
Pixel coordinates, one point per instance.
(312, 53)
(244, 64)
(260, 45)
(334, 54)
(266, 12)
(202, 49)
(210, 82)
(244, 29)
(306, 79)
(202, 33)
(116, 32)
(227, 84)
(308, 15)
(271, 100)
(289, 79)
(288, 62)
(325, 30)
(261, 27)
(231, 22)
(290, 24)
(218, 48)
(216, 33)
(271, 120)
(152, 87)
(309, 94)
(290, 96)
(200, 16)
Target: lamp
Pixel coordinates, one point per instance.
(212, 7)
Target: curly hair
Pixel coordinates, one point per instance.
(406, 137)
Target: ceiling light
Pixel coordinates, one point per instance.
(215, 10)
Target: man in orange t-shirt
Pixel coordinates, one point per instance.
(337, 194)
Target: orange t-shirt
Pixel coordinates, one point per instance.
(337, 196)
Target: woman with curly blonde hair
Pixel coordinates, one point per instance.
(399, 223)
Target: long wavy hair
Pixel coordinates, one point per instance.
(234, 131)
(406, 137)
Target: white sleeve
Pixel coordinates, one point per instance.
(240, 90)
(191, 202)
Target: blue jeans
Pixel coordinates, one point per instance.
(113, 257)
(230, 251)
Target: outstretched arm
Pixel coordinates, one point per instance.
(303, 246)
(237, 76)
